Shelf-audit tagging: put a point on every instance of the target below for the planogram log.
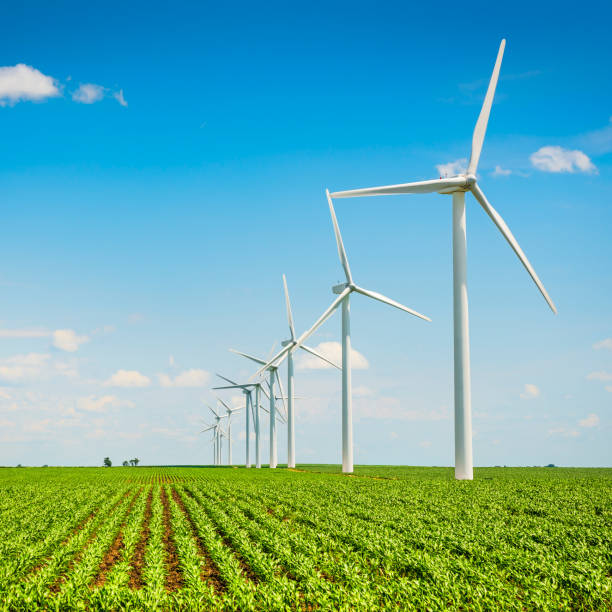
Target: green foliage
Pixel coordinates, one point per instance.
(107, 462)
(385, 538)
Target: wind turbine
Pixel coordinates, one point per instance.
(343, 291)
(457, 186)
(248, 388)
(230, 411)
(217, 433)
(273, 377)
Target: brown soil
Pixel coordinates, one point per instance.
(139, 552)
(114, 552)
(208, 570)
(174, 576)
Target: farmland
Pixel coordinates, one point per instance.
(223, 538)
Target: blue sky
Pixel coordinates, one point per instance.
(164, 165)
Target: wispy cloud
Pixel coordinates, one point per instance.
(68, 340)
(88, 93)
(101, 404)
(603, 344)
(558, 159)
(23, 367)
(499, 171)
(458, 166)
(23, 82)
(118, 95)
(128, 378)
(188, 378)
(24, 333)
(601, 375)
(591, 421)
(530, 391)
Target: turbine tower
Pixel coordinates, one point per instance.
(457, 186)
(229, 412)
(343, 291)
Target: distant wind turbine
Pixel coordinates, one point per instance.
(273, 378)
(457, 186)
(230, 411)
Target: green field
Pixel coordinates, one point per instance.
(231, 538)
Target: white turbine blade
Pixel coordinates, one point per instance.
(208, 429)
(255, 359)
(230, 387)
(289, 314)
(341, 251)
(481, 125)
(224, 404)
(386, 300)
(231, 382)
(316, 354)
(507, 234)
(432, 186)
(213, 411)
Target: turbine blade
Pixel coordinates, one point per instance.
(213, 411)
(507, 234)
(276, 360)
(288, 303)
(339, 243)
(224, 404)
(317, 354)
(264, 391)
(231, 382)
(481, 125)
(386, 300)
(230, 387)
(255, 359)
(432, 186)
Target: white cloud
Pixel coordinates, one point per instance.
(499, 171)
(425, 444)
(119, 97)
(458, 166)
(24, 333)
(530, 392)
(564, 432)
(22, 82)
(188, 378)
(21, 367)
(68, 340)
(128, 378)
(362, 391)
(88, 93)
(607, 344)
(602, 376)
(609, 388)
(332, 351)
(66, 369)
(394, 435)
(591, 421)
(558, 159)
(101, 404)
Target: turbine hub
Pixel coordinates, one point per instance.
(338, 289)
(470, 180)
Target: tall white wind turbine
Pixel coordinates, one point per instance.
(273, 378)
(457, 186)
(343, 291)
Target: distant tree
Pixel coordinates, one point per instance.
(45, 465)
(19, 465)
(125, 464)
(136, 460)
(107, 462)
(551, 465)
